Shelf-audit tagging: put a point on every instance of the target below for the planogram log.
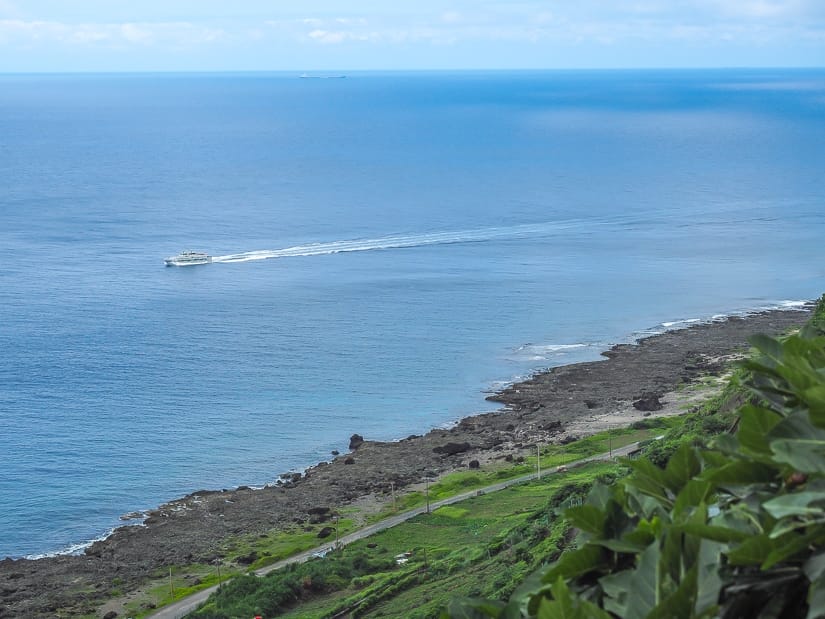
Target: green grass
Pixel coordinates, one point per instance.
(281, 544)
(484, 544)
(551, 456)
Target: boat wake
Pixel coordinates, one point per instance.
(401, 241)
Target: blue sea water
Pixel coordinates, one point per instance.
(389, 248)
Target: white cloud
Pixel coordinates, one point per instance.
(451, 17)
(496, 32)
(579, 23)
(328, 37)
(9, 9)
(171, 34)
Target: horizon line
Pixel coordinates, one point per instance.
(339, 72)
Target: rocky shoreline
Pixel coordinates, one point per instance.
(551, 405)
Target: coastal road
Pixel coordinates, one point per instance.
(182, 607)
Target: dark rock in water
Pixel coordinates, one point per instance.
(335, 452)
(355, 441)
(325, 532)
(648, 402)
(450, 449)
(474, 464)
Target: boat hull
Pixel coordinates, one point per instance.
(187, 259)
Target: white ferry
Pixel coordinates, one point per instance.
(188, 258)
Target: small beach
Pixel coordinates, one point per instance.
(633, 381)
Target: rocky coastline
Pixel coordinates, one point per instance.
(557, 404)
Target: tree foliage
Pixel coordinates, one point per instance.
(249, 595)
(735, 530)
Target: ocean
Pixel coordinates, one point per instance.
(389, 249)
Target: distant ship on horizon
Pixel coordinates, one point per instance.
(307, 76)
(188, 258)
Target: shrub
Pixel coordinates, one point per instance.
(737, 530)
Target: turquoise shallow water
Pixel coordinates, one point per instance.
(417, 239)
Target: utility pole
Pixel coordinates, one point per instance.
(171, 586)
(427, 481)
(336, 531)
(610, 445)
(538, 461)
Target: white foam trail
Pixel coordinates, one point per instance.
(399, 241)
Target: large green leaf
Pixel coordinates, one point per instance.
(815, 566)
(708, 580)
(754, 424)
(816, 599)
(804, 455)
(527, 594)
(682, 466)
(628, 546)
(815, 399)
(796, 504)
(643, 505)
(587, 518)
(791, 544)
(574, 563)
(678, 605)
(753, 551)
(565, 605)
(648, 479)
(769, 347)
(740, 473)
(599, 496)
(643, 595)
(712, 532)
(616, 588)
(796, 425)
(694, 493)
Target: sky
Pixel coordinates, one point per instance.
(313, 35)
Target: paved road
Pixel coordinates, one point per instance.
(187, 605)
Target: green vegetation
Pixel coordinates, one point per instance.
(667, 527)
(482, 546)
(731, 531)
(816, 323)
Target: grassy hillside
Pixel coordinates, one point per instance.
(482, 548)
